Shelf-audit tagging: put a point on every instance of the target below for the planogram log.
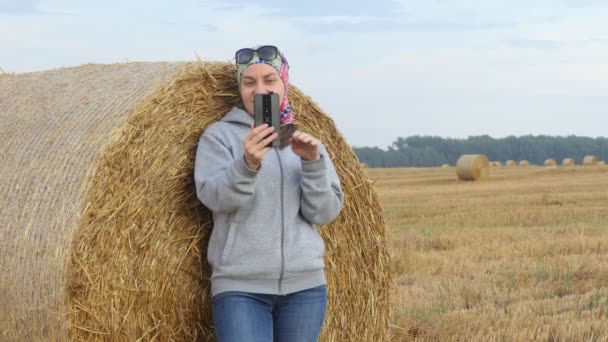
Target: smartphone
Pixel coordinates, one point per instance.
(266, 111)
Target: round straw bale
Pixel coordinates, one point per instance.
(472, 167)
(511, 163)
(550, 162)
(54, 124)
(364, 165)
(103, 236)
(524, 163)
(568, 163)
(445, 165)
(590, 161)
(601, 163)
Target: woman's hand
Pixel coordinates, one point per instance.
(256, 145)
(305, 145)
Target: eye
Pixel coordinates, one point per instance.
(270, 81)
(248, 83)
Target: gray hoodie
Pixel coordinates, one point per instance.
(264, 237)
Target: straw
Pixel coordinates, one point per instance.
(103, 237)
(472, 167)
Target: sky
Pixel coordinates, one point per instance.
(381, 69)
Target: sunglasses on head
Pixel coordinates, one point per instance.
(266, 52)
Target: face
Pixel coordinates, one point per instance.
(260, 79)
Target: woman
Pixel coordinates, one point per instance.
(268, 282)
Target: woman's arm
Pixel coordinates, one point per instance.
(322, 197)
(223, 183)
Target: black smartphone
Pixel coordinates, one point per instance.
(266, 111)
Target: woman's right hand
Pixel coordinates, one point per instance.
(256, 145)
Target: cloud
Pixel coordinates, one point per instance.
(585, 3)
(322, 17)
(553, 44)
(541, 44)
(362, 25)
(191, 24)
(601, 40)
(25, 7)
(313, 8)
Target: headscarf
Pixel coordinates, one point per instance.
(282, 67)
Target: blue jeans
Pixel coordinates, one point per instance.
(243, 316)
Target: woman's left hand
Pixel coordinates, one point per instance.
(305, 145)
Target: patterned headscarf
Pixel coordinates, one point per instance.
(282, 67)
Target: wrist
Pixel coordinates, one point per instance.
(317, 157)
(250, 165)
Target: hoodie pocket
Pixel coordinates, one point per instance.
(229, 243)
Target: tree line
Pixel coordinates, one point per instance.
(426, 151)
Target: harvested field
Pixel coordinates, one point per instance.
(522, 256)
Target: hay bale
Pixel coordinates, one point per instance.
(445, 166)
(590, 161)
(550, 162)
(471, 167)
(54, 124)
(497, 164)
(103, 236)
(364, 165)
(568, 164)
(601, 163)
(511, 163)
(524, 163)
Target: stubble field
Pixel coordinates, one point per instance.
(521, 256)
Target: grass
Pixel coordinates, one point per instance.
(521, 256)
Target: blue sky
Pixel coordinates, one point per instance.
(381, 69)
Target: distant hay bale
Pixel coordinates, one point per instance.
(568, 164)
(102, 235)
(568, 161)
(471, 167)
(590, 161)
(511, 163)
(497, 164)
(364, 165)
(445, 165)
(524, 163)
(601, 163)
(550, 162)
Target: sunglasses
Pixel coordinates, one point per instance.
(266, 52)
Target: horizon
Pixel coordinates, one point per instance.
(486, 135)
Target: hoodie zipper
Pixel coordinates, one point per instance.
(282, 222)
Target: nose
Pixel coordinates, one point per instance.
(261, 89)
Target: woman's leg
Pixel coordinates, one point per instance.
(298, 317)
(242, 316)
